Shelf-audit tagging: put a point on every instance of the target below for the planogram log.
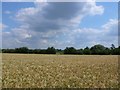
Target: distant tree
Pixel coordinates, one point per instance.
(0, 50)
(94, 50)
(51, 50)
(59, 51)
(107, 51)
(86, 51)
(70, 50)
(98, 49)
(8, 50)
(22, 50)
(79, 51)
(43, 51)
(115, 51)
(31, 51)
(112, 46)
(37, 51)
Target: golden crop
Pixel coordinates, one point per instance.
(55, 71)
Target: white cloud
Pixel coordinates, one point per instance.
(93, 9)
(106, 35)
(3, 26)
(79, 37)
(21, 33)
(7, 12)
(48, 24)
(111, 22)
(55, 16)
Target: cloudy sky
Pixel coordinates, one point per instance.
(59, 24)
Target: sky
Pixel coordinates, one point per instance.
(59, 24)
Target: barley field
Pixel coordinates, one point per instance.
(59, 71)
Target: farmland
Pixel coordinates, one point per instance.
(55, 71)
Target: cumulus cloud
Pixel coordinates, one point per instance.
(56, 16)
(108, 27)
(106, 35)
(58, 25)
(79, 37)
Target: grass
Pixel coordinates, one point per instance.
(56, 71)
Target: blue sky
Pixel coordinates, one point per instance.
(8, 19)
(40, 25)
(111, 10)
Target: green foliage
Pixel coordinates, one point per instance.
(22, 50)
(80, 51)
(98, 49)
(59, 51)
(0, 50)
(94, 50)
(51, 50)
(87, 51)
(70, 50)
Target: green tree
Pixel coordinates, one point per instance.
(22, 50)
(107, 51)
(87, 51)
(98, 49)
(70, 50)
(112, 46)
(51, 50)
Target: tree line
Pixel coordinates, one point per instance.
(94, 50)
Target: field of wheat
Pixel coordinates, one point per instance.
(56, 71)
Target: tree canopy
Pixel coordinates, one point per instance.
(94, 50)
